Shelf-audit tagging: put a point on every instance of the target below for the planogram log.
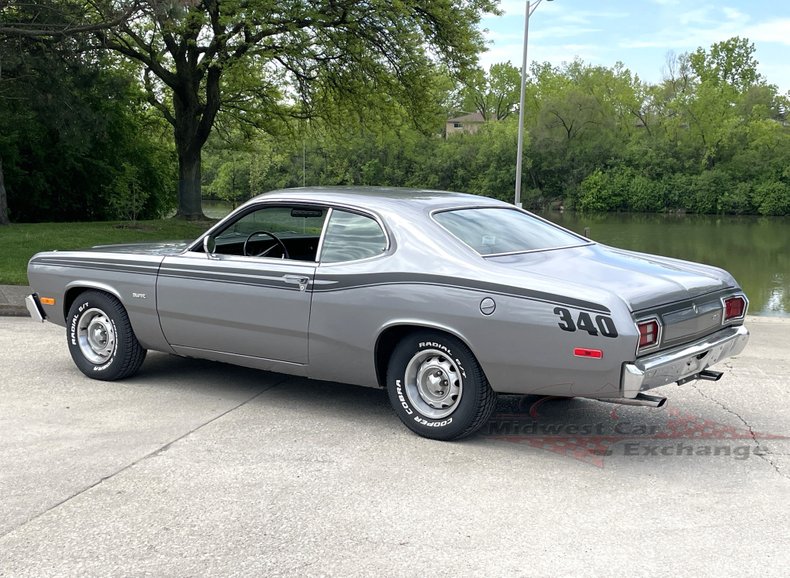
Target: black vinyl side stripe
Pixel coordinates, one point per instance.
(322, 284)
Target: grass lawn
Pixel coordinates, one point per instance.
(19, 242)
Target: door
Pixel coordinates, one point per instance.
(252, 296)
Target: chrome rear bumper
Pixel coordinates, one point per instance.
(681, 363)
(34, 307)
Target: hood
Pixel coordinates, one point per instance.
(641, 280)
(160, 248)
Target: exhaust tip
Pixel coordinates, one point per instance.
(651, 400)
(640, 399)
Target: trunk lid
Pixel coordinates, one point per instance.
(643, 281)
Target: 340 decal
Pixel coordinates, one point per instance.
(602, 325)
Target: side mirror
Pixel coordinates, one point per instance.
(209, 246)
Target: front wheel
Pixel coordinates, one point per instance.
(437, 387)
(100, 338)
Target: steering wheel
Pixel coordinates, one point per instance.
(277, 243)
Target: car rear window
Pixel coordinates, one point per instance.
(494, 231)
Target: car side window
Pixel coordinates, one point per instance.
(283, 231)
(350, 237)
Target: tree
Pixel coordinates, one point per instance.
(260, 61)
(730, 62)
(494, 94)
(70, 121)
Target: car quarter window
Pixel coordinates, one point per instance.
(351, 236)
(493, 231)
(282, 231)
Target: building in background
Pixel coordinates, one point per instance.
(468, 123)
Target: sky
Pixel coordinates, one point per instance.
(640, 33)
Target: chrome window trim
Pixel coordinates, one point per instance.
(254, 259)
(527, 251)
(323, 235)
(584, 242)
(244, 210)
(198, 243)
(364, 213)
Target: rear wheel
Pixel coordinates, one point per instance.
(437, 387)
(100, 338)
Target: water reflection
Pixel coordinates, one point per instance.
(756, 250)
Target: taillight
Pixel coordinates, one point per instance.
(648, 333)
(734, 307)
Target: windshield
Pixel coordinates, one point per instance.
(494, 231)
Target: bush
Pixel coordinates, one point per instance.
(736, 200)
(772, 198)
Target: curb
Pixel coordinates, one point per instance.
(12, 300)
(8, 310)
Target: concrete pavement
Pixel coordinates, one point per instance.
(194, 468)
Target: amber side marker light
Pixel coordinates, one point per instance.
(47, 300)
(591, 353)
(734, 308)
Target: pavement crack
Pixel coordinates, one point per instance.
(764, 453)
(151, 454)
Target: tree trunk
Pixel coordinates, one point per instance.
(3, 198)
(192, 122)
(189, 194)
(186, 126)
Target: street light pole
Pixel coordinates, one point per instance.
(531, 7)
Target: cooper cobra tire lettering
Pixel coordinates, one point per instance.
(427, 423)
(605, 325)
(459, 407)
(402, 399)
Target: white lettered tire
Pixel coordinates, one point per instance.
(437, 387)
(100, 338)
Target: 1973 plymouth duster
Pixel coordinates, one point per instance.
(444, 299)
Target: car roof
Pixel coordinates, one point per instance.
(383, 199)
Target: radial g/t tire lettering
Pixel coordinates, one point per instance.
(437, 387)
(100, 338)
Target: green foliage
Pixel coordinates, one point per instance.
(621, 188)
(84, 135)
(494, 94)
(736, 200)
(127, 197)
(74, 133)
(259, 63)
(730, 62)
(772, 198)
(596, 193)
(597, 140)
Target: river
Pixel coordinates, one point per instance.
(756, 250)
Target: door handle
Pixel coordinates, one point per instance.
(300, 280)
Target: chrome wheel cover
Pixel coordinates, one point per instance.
(433, 383)
(96, 336)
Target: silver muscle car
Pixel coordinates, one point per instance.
(444, 299)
